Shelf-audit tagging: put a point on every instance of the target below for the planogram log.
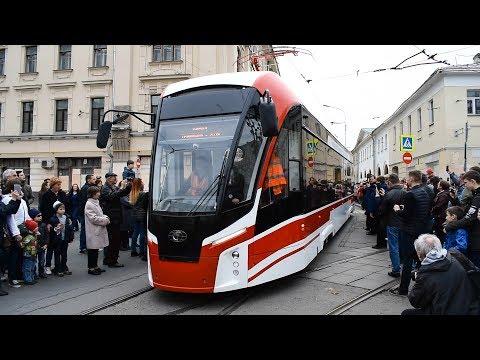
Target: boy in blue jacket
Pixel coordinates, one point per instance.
(456, 239)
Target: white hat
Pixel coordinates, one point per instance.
(56, 205)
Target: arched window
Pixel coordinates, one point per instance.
(386, 169)
(395, 170)
(379, 171)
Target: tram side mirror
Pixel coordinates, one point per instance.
(103, 134)
(268, 115)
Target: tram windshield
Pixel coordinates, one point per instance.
(190, 155)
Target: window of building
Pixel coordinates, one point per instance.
(61, 115)
(382, 144)
(98, 106)
(64, 57)
(394, 135)
(473, 102)
(431, 117)
(401, 128)
(27, 117)
(2, 61)
(409, 124)
(154, 100)
(30, 59)
(385, 142)
(99, 55)
(167, 53)
(0, 116)
(419, 119)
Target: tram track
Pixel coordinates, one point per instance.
(248, 293)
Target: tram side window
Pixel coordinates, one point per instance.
(275, 185)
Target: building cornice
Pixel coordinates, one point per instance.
(97, 82)
(65, 84)
(31, 137)
(27, 87)
(4, 88)
(164, 77)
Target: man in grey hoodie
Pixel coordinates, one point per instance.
(442, 286)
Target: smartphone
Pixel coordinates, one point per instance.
(17, 188)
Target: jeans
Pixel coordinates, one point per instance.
(139, 229)
(83, 237)
(41, 262)
(407, 256)
(29, 268)
(392, 235)
(75, 218)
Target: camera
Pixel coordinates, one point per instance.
(129, 179)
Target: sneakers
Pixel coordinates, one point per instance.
(59, 274)
(397, 291)
(82, 251)
(4, 278)
(48, 271)
(94, 272)
(43, 276)
(14, 284)
(100, 269)
(394, 274)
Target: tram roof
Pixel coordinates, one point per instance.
(246, 78)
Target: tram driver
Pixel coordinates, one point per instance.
(198, 181)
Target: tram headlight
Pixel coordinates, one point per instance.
(235, 254)
(228, 237)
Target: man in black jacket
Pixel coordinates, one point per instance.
(110, 202)
(6, 211)
(89, 181)
(470, 222)
(416, 216)
(442, 286)
(395, 195)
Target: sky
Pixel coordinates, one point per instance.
(343, 76)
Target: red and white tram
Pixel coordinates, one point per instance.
(255, 219)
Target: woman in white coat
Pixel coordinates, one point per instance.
(95, 229)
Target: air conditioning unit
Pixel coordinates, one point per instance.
(48, 164)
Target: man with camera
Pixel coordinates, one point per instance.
(442, 286)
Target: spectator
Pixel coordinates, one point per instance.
(96, 228)
(139, 199)
(455, 239)
(439, 208)
(89, 181)
(43, 190)
(128, 170)
(74, 197)
(61, 235)
(8, 174)
(110, 201)
(26, 189)
(442, 286)
(43, 240)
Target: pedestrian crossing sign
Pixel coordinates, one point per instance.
(312, 147)
(406, 143)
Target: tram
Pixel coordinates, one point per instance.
(230, 204)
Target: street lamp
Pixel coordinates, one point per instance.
(339, 122)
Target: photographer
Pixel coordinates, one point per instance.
(442, 286)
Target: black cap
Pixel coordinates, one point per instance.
(107, 175)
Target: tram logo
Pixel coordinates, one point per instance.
(177, 236)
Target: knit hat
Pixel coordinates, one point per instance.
(31, 225)
(33, 212)
(56, 205)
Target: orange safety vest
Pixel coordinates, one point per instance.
(275, 177)
(197, 185)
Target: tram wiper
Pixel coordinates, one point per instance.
(207, 195)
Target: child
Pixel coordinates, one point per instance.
(456, 239)
(29, 244)
(42, 240)
(61, 234)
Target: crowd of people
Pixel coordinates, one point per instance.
(429, 224)
(34, 241)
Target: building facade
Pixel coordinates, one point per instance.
(363, 155)
(53, 97)
(443, 118)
